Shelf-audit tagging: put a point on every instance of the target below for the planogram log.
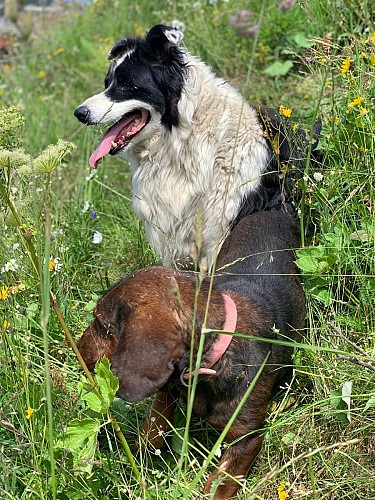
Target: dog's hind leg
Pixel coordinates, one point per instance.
(236, 462)
(157, 423)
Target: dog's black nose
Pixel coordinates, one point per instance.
(83, 114)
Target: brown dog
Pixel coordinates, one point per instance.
(145, 324)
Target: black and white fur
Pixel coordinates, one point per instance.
(195, 146)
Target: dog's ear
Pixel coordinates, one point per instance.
(125, 45)
(162, 38)
(102, 336)
(111, 314)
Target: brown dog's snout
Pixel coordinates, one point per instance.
(83, 114)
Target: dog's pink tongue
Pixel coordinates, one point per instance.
(106, 141)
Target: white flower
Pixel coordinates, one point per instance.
(10, 266)
(86, 206)
(97, 237)
(318, 176)
(91, 175)
(54, 265)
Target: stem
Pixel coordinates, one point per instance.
(45, 285)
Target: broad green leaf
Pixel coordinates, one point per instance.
(79, 431)
(94, 401)
(107, 382)
(301, 40)
(279, 68)
(341, 399)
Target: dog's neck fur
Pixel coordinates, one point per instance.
(204, 167)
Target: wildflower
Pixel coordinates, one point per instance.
(139, 31)
(29, 412)
(372, 59)
(6, 324)
(11, 127)
(323, 60)
(318, 176)
(372, 38)
(86, 206)
(7, 67)
(4, 292)
(281, 492)
(93, 214)
(157, 452)
(355, 102)
(42, 73)
(346, 65)
(52, 156)
(242, 24)
(91, 175)
(97, 237)
(285, 111)
(308, 59)
(54, 265)
(363, 111)
(295, 127)
(285, 5)
(58, 51)
(10, 266)
(57, 232)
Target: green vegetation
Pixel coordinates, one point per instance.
(57, 440)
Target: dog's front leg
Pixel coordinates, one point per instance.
(157, 423)
(236, 462)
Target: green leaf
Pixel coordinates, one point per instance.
(302, 41)
(107, 383)
(94, 401)
(341, 400)
(279, 68)
(78, 432)
(370, 402)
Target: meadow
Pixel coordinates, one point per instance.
(66, 236)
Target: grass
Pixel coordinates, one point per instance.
(320, 434)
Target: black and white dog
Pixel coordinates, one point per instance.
(195, 147)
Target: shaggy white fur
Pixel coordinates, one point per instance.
(198, 173)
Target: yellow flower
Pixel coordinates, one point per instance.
(295, 127)
(345, 66)
(29, 412)
(281, 491)
(4, 292)
(372, 59)
(58, 51)
(372, 37)
(323, 60)
(7, 67)
(363, 111)
(285, 111)
(355, 102)
(42, 73)
(6, 324)
(139, 31)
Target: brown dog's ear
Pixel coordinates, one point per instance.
(102, 336)
(112, 315)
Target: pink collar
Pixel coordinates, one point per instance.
(221, 343)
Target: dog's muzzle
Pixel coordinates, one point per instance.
(83, 114)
